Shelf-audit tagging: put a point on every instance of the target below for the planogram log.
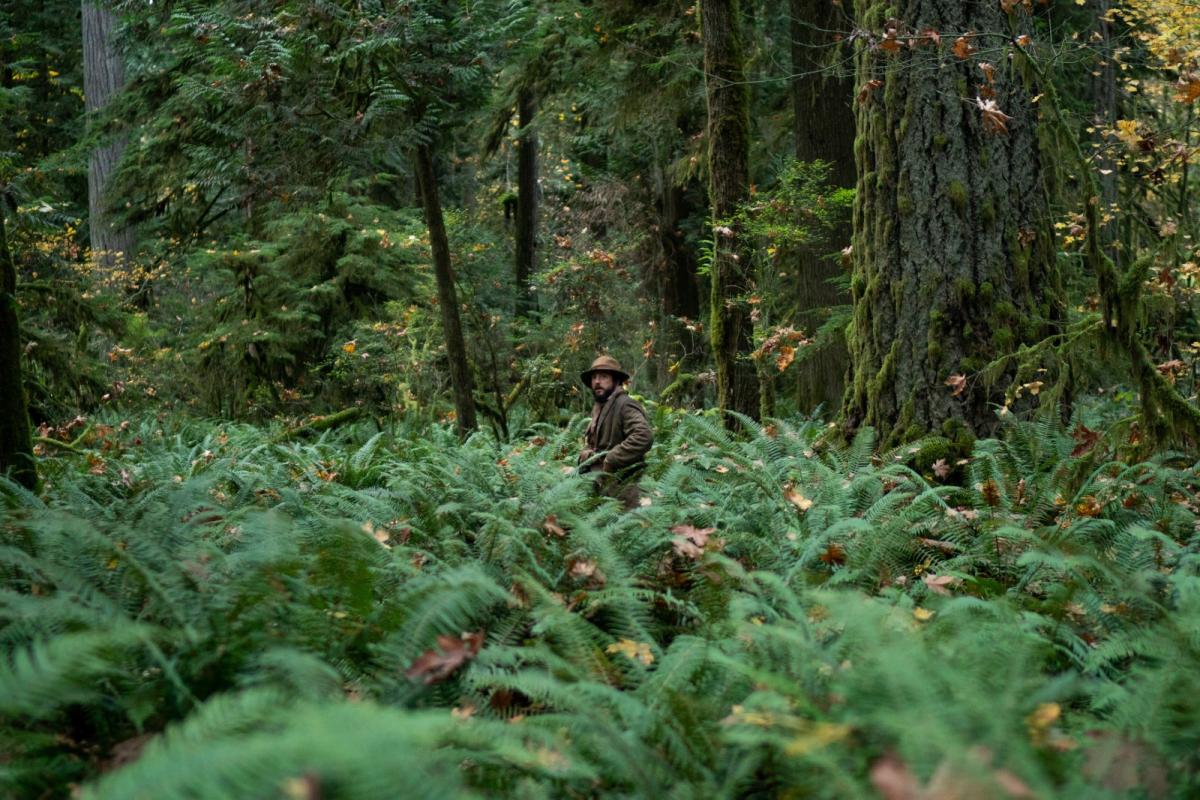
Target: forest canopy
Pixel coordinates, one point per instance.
(296, 295)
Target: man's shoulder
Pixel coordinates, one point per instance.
(625, 401)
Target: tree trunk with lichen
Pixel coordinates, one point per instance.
(527, 191)
(443, 270)
(730, 327)
(823, 126)
(103, 79)
(16, 440)
(953, 244)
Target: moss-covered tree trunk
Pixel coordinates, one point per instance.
(527, 198)
(953, 250)
(16, 441)
(730, 325)
(103, 78)
(823, 125)
(443, 269)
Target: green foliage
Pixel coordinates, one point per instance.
(243, 618)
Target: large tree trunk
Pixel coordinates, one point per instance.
(823, 124)
(16, 441)
(439, 245)
(103, 78)
(527, 197)
(676, 275)
(730, 326)
(953, 247)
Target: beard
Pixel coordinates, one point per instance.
(602, 395)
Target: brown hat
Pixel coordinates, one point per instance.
(603, 364)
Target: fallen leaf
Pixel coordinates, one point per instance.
(938, 583)
(941, 468)
(451, 653)
(798, 500)
(550, 525)
(634, 651)
(958, 384)
(690, 541)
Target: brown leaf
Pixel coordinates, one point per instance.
(550, 525)
(834, 555)
(989, 72)
(990, 492)
(864, 94)
(941, 468)
(1188, 89)
(994, 120)
(787, 354)
(798, 500)
(451, 653)
(690, 541)
(958, 383)
(1088, 506)
(894, 780)
(587, 571)
(963, 48)
(938, 583)
(1085, 440)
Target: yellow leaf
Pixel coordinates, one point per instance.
(798, 500)
(821, 734)
(634, 651)
(922, 614)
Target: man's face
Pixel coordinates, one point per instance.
(603, 384)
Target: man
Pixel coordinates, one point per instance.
(618, 437)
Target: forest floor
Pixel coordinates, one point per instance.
(204, 609)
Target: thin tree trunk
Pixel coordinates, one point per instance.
(16, 441)
(953, 247)
(823, 125)
(439, 245)
(103, 78)
(527, 198)
(730, 326)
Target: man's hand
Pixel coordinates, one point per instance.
(585, 455)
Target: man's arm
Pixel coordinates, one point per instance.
(637, 441)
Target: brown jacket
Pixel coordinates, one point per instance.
(619, 429)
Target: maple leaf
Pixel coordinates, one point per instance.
(994, 120)
(1188, 89)
(787, 354)
(1085, 440)
(1024, 40)
(1088, 506)
(634, 651)
(798, 500)
(941, 468)
(989, 72)
(938, 583)
(690, 541)
(550, 525)
(864, 94)
(451, 653)
(834, 555)
(958, 383)
(963, 49)
(583, 570)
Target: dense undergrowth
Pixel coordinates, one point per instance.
(199, 610)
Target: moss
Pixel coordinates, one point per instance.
(964, 290)
(933, 349)
(957, 192)
(985, 292)
(987, 212)
(1005, 310)
(940, 140)
(968, 331)
(1003, 338)
(972, 363)
(936, 319)
(904, 205)
(934, 449)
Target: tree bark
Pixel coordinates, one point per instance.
(823, 125)
(527, 198)
(439, 245)
(676, 275)
(103, 78)
(953, 245)
(16, 440)
(730, 326)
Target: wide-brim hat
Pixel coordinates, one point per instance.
(603, 364)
